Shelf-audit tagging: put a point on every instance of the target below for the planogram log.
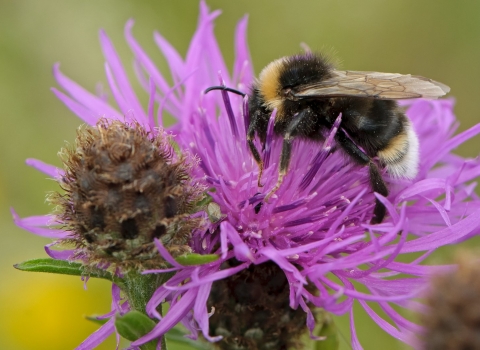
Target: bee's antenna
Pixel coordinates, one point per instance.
(225, 89)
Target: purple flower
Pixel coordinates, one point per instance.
(316, 228)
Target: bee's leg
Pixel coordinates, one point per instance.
(254, 124)
(284, 162)
(376, 180)
(302, 124)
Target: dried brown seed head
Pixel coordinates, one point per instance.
(123, 188)
(252, 311)
(453, 317)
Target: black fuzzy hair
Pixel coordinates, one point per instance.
(304, 69)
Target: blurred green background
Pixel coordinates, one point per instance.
(437, 38)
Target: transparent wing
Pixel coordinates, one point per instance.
(388, 86)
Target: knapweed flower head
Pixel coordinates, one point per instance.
(313, 238)
(124, 187)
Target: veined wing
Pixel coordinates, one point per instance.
(388, 86)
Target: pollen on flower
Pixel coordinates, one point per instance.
(124, 187)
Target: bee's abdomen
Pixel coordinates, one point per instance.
(401, 155)
(381, 128)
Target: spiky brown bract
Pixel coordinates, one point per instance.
(252, 311)
(453, 319)
(125, 186)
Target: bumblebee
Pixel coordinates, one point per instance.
(308, 94)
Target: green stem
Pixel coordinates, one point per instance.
(139, 290)
(164, 342)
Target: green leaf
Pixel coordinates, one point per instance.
(177, 336)
(63, 267)
(134, 325)
(196, 259)
(330, 332)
